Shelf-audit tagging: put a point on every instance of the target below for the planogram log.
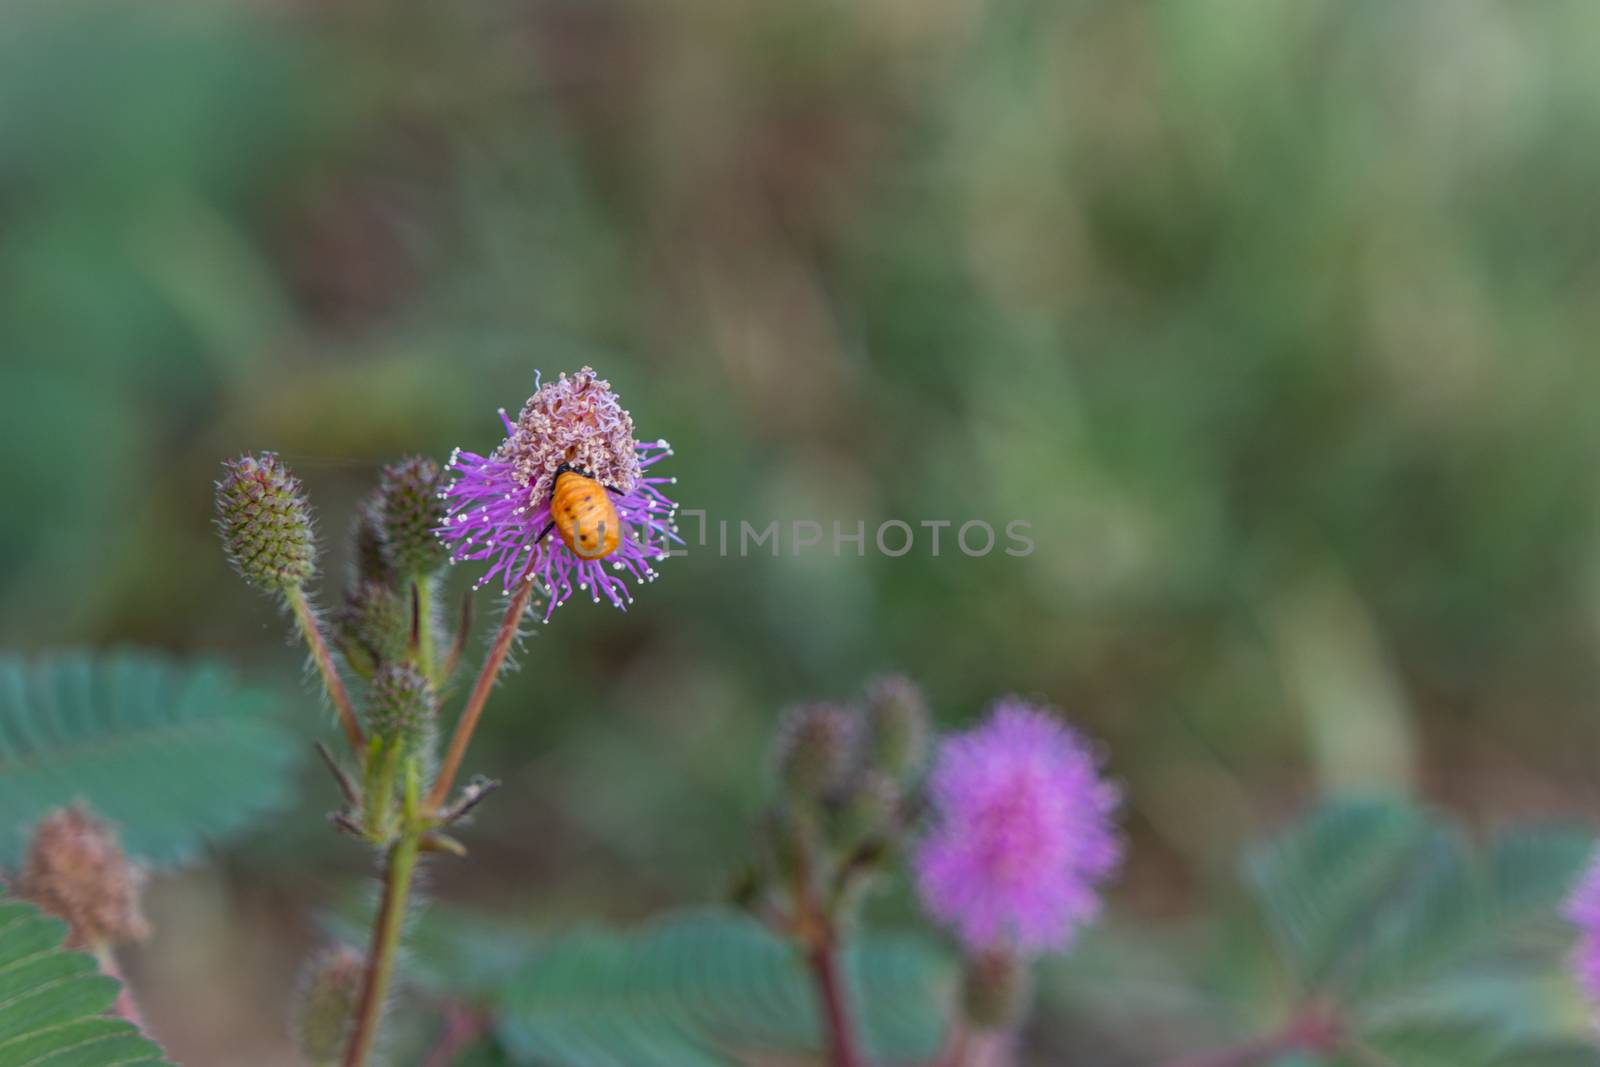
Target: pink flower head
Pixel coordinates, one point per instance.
(499, 505)
(1023, 836)
(1583, 909)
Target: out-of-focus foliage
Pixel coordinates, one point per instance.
(705, 990)
(177, 755)
(1383, 917)
(53, 1001)
(1274, 317)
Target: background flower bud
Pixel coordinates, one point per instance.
(869, 806)
(75, 870)
(411, 511)
(373, 627)
(814, 748)
(995, 989)
(400, 708)
(266, 523)
(327, 1001)
(897, 725)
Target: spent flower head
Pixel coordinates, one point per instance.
(1023, 834)
(499, 505)
(76, 870)
(265, 523)
(1583, 909)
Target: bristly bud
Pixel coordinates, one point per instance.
(814, 748)
(374, 626)
(412, 512)
(366, 542)
(869, 806)
(897, 725)
(265, 523)
(400, 708)
(327, 1003)
(76, 871)
(995, 989)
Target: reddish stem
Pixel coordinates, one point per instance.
(1314, 1029)
(480, 692)
(462, 1027)
(824, 961)
(312, 632)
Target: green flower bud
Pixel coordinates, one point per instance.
(266, 523)
(366, 542)
(897, 725)
(996, 987)
(400, 708)
(814, 749)
(869, 806)
(411, 511)
(373, 627)
(329, 989)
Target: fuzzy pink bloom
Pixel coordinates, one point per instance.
(1583, 909)
(1024, 835)
(499, 504)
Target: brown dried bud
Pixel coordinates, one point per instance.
(76, 871)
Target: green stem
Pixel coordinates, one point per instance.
(399, 871)
(311, 630)
(424, 588)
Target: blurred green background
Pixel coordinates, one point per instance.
(1275, 318)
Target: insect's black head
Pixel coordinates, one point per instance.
(568, 468)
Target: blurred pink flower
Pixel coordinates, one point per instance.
(1024, 836)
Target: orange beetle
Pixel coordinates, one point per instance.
(581, 511)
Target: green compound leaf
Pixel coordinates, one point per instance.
(1317, 882)
(703, 988)
(1371, 900)
(53, 1001)
(175, 755)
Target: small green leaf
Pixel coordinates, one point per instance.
(175, 755)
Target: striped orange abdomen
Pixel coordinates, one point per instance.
(584, 516)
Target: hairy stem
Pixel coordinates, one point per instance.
(311, 630)
(470, 714)
(399, 870)
(824, 962)
(424, 623)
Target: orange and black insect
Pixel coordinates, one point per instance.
(581, 511)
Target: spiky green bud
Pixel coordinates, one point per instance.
(815, 748)
(996, 987)
(265, 523)
(329, 989)
(400, 708)
(868, 806)
(897, 725)
(373, 627)
(411, 512)
(366, 542)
